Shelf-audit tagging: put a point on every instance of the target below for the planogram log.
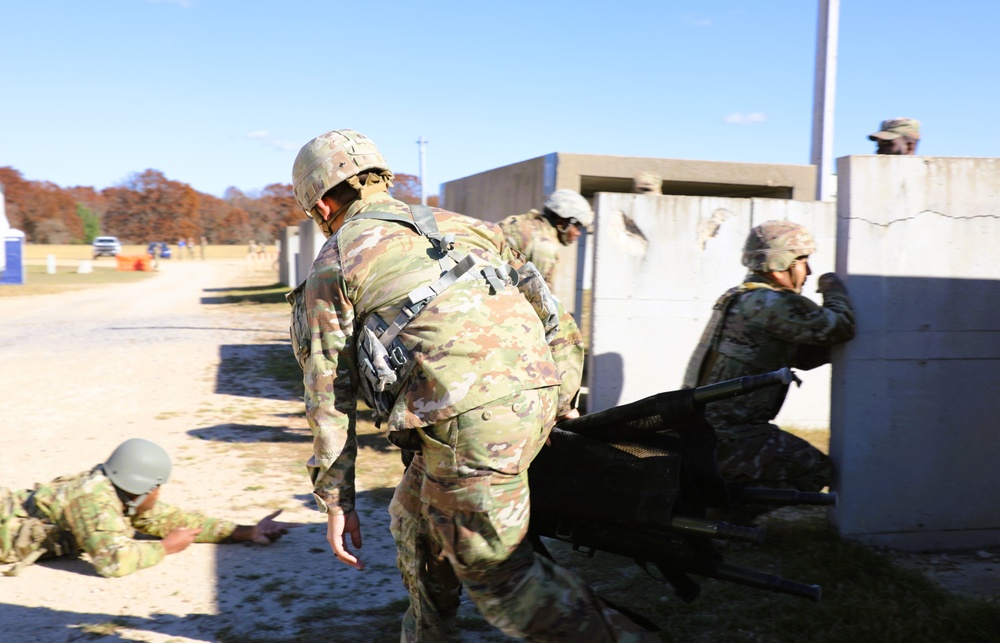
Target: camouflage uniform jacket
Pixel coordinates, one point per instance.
(758, 327)
(84, 513)
(470, 347)
(536, 238)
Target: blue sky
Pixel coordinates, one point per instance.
(219, 93)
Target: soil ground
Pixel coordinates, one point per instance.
(166, 360)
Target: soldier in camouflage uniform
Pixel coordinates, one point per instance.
(647, 183)
(761, 325)
(897, 136)
(488, 380)
(539, 235)
(98, 512)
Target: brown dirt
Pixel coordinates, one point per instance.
(161, 359)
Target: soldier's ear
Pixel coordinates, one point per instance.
(324, 209)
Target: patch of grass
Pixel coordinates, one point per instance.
(39, 282)
(273, 294)
(108, 628)
(73, 252)
(865, 596)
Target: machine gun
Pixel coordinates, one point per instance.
(637, 480)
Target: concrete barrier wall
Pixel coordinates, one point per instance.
(311, 241)
(915, 401)
(288, 252)
(660, 263)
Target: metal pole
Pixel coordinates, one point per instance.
(824, 92)
(423, 193)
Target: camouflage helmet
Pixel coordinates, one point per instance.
(328, 160)
(137, 466)
(570, 204)
(774, 245)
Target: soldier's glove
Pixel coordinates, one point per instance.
(830, 283)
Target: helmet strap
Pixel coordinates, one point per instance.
(131, 502)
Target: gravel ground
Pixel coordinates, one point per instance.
(160, 359)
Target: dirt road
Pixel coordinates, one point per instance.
(159, 359)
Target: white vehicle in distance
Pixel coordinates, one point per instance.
(109, 246)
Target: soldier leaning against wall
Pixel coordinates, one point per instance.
(762, 325)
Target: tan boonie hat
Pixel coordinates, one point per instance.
(896, 127)
(647, 183)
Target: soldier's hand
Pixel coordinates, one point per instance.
(830, 282)
(337, 528)
(179, 539)
(571, 414)
(269, 530)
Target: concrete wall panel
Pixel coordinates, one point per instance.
(311, 241)
(914, 401)
(660, 264)
(288, 252)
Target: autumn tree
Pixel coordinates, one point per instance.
(93, 200)
(406, 188)
(268, 211)
(221, 221)
(42, 210)
(149, 206)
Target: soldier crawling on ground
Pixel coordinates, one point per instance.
(99, 511)
(539, 235)
(761, 325)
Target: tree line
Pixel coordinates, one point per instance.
(148, 206)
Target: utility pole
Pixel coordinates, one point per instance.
(824, 92)
(423, 193)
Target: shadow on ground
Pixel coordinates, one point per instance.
(259, 370)
(272, 294)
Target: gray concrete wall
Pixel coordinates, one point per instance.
(516, 188)
(501, 192)
(915, 402)
(288, 252)
(660, 264)
(311, 241)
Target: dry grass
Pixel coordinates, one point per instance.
(76, 252)
(39, 282)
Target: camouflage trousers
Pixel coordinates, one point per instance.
(25, 538)
(459, 519)
(770, 457)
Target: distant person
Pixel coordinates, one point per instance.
(97, 512)
(897, 136)
(538, 235)
(761, 325)
(647, 183)
(181, 245)
(190, 247)
(201, 247)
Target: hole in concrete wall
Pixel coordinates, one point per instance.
(708, 228)
(630, 236)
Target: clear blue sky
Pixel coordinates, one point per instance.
(219, 93)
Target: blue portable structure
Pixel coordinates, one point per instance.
(13, 248)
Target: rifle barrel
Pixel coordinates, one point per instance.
(785, 497)
(741, 386)
(690, 526)
(771, 582)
